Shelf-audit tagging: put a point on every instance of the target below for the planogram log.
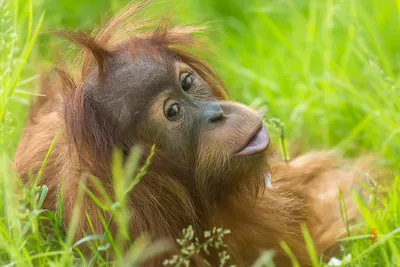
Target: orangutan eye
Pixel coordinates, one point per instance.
(173, 111)
(187, 81)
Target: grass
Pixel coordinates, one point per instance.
(329, 70)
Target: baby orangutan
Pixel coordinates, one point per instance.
(212, 155)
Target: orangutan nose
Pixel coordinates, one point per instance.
(212, 113)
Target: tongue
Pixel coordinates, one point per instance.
(257, 144)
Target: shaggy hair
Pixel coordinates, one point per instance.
(304, 190)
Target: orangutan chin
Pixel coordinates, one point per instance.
(212, 155)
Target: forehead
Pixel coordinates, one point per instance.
(133, 77)
(143, 72)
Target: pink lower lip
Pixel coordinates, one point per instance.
(258, 143)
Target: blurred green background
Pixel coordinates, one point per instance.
(327, 69)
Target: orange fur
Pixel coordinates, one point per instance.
(304, 190)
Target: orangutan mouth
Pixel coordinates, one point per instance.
(257, 143)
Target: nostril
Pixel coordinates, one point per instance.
(212, 113)
(216, 116)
